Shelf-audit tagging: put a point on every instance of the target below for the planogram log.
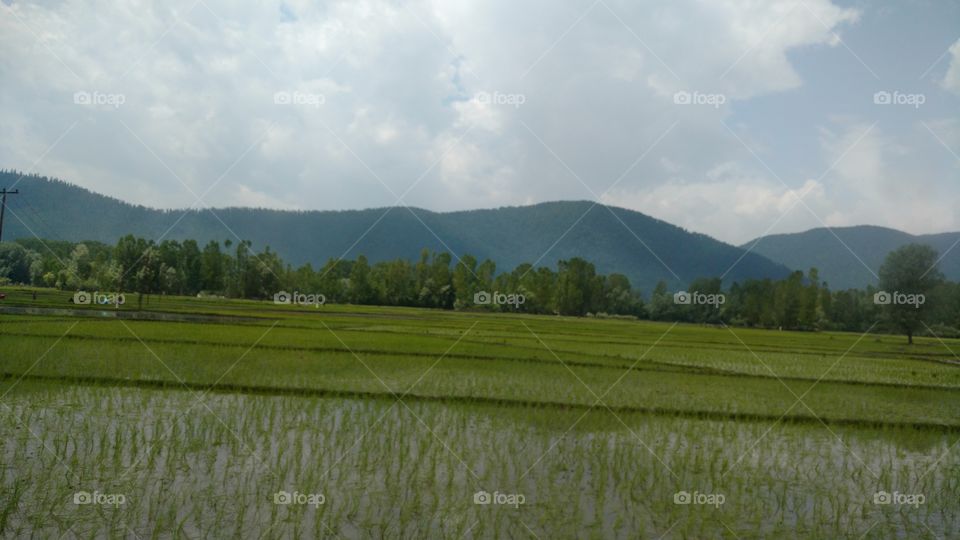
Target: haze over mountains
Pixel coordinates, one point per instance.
(645, 249)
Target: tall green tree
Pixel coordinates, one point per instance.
(212, 268)
(907, 278)
(575, 286)
(190, 264)
(361, 289)
(150, 274)
(661, 302)
(465, 281)
(129, 254)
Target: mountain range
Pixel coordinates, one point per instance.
(645, 249)
(850, 257)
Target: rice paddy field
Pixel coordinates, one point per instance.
(208, 418)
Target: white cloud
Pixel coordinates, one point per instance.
(951, 81)
(875, 178)
(728, 205)
(399, 83)
(879, 179)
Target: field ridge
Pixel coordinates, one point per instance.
(232, 388)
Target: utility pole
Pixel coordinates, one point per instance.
(3, 206)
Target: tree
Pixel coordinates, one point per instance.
(333, 280)
(789, 301)
(810, 299)
(262, 275)
(361, 290)
(15, 262)
(619, 297)
(129, 255)
(395, 282)
(575, 286)
(191, 265)
(539, 288)
(907, 277)
(704, 313)
(172, 280)
(150, 274)
(465, 281)
(212, 267)
(486, 273)
(661, 302)
(80, 266)
(422, 269)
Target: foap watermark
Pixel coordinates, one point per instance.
(715, 500)
(697, 298)
(899, 499)
(82, 498)
(685, 97)
(295, 497)
(296, 97)
(503, 499)
(899, 98)
(497, 298)
(298, 298)
(98, 298)
(83, 97)
(897, 298)
(498, 98)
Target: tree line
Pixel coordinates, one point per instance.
(438, 280)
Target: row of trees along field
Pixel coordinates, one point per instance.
(437, 280)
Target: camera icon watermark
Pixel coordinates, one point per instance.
(82, 498)
(288, 498)
(504, 499)
(85, 98)
(900, 499)
(298, 298)
(296, 97)
(715, 500)
(481, 497)
(497, 298)
(697, 298)
(884, 97)
(897, 298)
(98, 298)
(684, 97)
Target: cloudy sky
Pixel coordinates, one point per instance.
(732, 118)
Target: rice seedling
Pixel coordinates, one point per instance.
(387, 423)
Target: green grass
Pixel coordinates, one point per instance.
(199, 421)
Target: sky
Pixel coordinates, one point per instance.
(731, 118)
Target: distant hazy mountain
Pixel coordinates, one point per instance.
(838, 254)
(612, 238)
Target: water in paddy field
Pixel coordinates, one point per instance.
(231, 465)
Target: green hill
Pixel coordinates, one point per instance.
(616, 240)
(844, 255)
